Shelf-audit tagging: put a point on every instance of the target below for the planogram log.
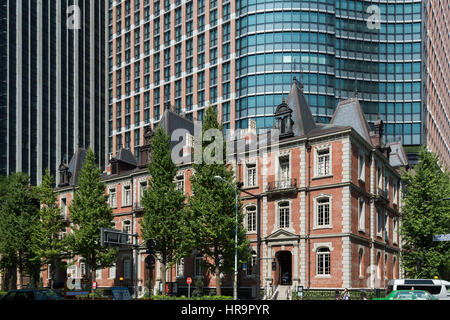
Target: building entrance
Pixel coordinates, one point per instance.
(284, 259)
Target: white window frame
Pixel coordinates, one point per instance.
(180, 268)
(317, 206)
(179, 181)
(247, 218)
(395, 230)
(284, 177)
(361, 214)
(112, 200)
(362, 167)
(327, 167)
(251, 167)
(280, 207)
(126, 195)
(361, 262)
(98, 274)
(142, 186)
(380, 221)
(395, 191)
(323, 261)
(386, 226)
(125, 225)
(112, 272)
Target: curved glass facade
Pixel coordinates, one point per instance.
(334, 49)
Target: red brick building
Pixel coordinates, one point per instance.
(330, 209)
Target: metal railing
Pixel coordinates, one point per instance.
(282, 184)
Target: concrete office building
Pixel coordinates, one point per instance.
(53, 83)
(242, 55)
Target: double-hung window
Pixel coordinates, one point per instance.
(251, 180)
(284, 214)
(323, 162)
(323, 261)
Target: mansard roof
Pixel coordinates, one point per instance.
(349, 113)
(126, 156)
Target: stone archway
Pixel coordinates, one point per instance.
(284, 261)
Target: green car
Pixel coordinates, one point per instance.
(408, 295)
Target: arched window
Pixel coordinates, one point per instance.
(323, 261)
(284, 214)
(251, 218)
(361, 262)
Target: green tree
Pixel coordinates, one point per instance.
(212, 206)
(424, 215)
(89, 212)
(18, 216)
(47, 243)
(164, 217)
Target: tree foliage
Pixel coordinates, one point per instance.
(212, 209)
(164, 216)
(47, 243)
(89, 212)
(18, 216)
(425, 215)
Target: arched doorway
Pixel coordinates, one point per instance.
(284, 259)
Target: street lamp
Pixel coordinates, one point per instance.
(235, 237)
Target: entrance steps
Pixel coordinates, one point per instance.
(282, 292)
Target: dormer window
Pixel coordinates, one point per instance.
(283, 119)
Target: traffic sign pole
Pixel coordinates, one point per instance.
(189, 281)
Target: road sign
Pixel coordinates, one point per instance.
(94, 285)
(189, 281)
(441, 237)
(121, 293)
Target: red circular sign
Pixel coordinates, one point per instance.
(189, 280)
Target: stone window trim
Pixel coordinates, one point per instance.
(316, 225)
(316, 248)
(283, 154)
(277, 215)
(361, 264)
(126, 186)
(250, 205)
(362, 170)
(246, 168)
(112, 189)
(317, 150)
(361, 215)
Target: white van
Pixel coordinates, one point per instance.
(440, 289)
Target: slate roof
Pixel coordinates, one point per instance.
(397, 157)
(126, 156)
(75, 165)
(301, 115)
(349, 113)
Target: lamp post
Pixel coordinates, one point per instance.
(235, 237)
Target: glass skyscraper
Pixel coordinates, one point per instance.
(242, 56)
(52, 83)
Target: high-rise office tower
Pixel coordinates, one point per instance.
(242, 56)
(53, 83)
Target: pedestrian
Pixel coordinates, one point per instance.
(346, 294)
(337, 295)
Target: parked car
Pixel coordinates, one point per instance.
(32, 295)
(408, 295)
(440, 289)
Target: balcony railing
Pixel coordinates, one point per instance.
(383, 193)
(282, 185)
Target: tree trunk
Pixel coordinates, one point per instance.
(163, 278)
(217, 273)
(218, 281)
